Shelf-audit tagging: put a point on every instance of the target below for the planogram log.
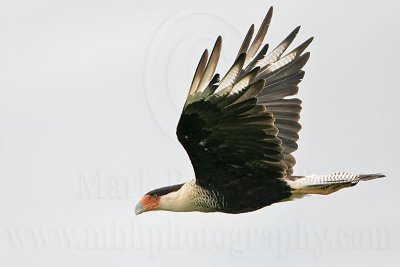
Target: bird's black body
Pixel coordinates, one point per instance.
(239, 178)
(253, 194)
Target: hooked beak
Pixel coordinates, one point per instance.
(139, 208)
(147, 203)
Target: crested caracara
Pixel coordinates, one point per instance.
(240, 132)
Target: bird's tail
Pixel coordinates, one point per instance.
(327, 184)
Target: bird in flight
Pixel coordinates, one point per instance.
(240, 132)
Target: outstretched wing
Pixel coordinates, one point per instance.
(240, 131)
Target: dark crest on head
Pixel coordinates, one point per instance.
(165, 190)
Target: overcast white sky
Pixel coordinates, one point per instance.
(90, 94)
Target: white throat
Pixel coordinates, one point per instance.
(181, 200)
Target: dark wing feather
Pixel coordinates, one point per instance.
(240, 132)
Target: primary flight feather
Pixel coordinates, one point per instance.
(240, 132)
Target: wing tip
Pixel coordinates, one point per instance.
(205, 54)
(218, 45)
(306, 55)
(270, 10)
(242, 56)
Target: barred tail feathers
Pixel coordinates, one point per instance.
(327, 184)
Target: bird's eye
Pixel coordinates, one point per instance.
(155, 196)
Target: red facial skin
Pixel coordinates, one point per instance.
(150, 202)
